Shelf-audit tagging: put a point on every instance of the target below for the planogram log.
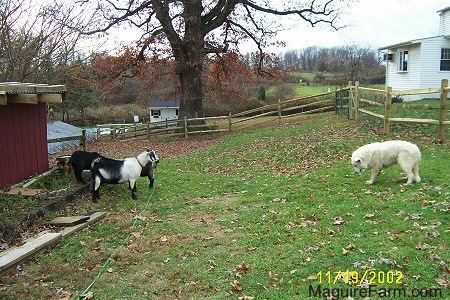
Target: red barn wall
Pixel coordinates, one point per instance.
(23, 142)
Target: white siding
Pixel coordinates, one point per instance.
(423, 68)
(404, 80)
(444, 23)
(431, 52)
(167, 113)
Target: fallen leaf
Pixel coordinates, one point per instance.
(272, 276)
(136, 235)
(66, 295)
(246, 298)
(88, 296)
(344, 251)
(236, 287)
(312, 277)
(443, 282)
(133, 247)
(242, 268)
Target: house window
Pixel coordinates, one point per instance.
(156, 113)
(403, 61)
(176, 112)
(445, 59)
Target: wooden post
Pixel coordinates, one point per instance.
(113, 132)
(387, 110)
(185, 127)
(83, 139)
(98, 132)
(443, 110)
(356, 112)
(229, 122)
(335, 101)
(350, 101)
(148, 130)
(279, 110)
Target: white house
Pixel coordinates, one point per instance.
(420, 63)
(162, 110)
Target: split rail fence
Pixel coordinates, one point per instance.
(350, 102)
(187, 126)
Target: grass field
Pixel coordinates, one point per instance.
(270, 213)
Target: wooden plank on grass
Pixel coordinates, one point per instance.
(92, 218)
(15, 255)
(68, 221)
(24, 191)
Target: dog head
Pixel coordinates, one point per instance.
(359, 164)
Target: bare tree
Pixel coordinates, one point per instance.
(32, 45)
(192, 29)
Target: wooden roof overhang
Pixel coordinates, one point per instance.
(31, 93)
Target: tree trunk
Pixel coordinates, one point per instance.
(190, 61)
(191, 84)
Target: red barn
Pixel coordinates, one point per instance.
(23, 141)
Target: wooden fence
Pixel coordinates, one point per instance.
(81, 138)
(185, 127)
(355, 102)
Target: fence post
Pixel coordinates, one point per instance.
(356, 101)
(279, 110)
(148, 130)
(185, 127)
(113, 132)
(229, 122)
(387, 110)
(350, 101)
(443, 110)
(83, 139)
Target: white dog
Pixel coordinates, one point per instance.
(377, 156)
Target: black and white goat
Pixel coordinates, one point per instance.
(107, 170)
(80, 161)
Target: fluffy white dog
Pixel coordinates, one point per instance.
(377, 156)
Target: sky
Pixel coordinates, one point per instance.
(374, 23)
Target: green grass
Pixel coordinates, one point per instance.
(259, 215)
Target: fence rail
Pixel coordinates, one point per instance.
(191, 126)
(350, 98)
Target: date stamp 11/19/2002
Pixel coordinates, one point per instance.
(360, 278)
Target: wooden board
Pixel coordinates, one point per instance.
(15, 255)
(68, 221)
(24, 191)
(22, 98)
(50, 98)
(92, 218)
